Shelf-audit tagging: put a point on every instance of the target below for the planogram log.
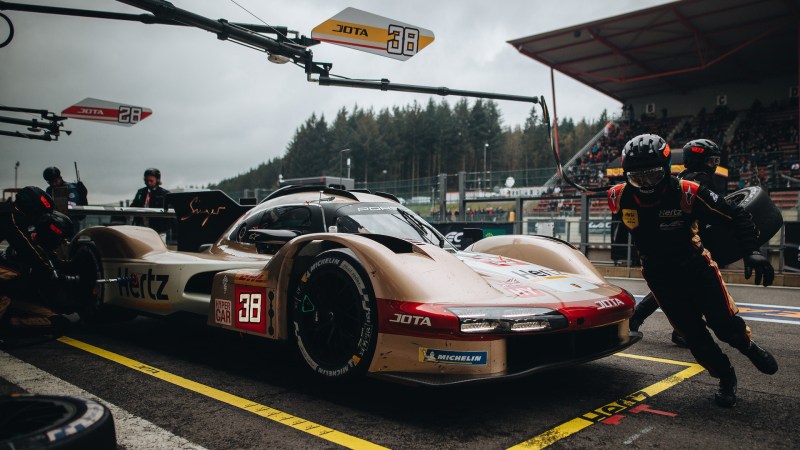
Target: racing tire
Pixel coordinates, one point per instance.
(55, 422)
(335, 316)
(722, 243)
(88, 294)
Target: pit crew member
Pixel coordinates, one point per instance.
(661, 212)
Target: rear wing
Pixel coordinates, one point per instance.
(203, 216)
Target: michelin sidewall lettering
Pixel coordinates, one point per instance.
(366, 342)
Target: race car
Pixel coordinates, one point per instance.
(362, 285)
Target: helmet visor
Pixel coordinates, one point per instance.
(646, 178)
(712, 161)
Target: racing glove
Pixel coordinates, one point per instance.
(764, 271)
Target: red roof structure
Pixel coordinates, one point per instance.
(675, 48)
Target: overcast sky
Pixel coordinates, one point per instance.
(220, 109)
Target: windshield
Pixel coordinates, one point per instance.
(390, 220)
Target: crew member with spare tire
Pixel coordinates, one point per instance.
(701, 157)
(661, 212)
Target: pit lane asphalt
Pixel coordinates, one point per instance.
(651, 397)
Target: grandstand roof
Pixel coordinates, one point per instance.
(675, 47)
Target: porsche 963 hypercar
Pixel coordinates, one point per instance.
(364, 286)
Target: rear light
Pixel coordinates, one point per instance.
(494, 319)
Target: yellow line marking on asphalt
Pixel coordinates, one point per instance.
(588, 419)
(267, 412)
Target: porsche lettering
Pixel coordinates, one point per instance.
(406, 319)
(376, 208)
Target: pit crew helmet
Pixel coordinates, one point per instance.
(54, 229)
(701, 155)
(33, 202)
(646, 160)
(51, 173)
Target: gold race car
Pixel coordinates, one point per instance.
(364, 286)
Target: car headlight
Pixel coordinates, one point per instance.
(498, 319)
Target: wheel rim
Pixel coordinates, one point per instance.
(332, 330)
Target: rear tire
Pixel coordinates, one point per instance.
(55, 422)
(335, 316)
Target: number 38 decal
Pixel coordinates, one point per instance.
(404, 40)
(250, 307)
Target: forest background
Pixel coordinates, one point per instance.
(417, 141)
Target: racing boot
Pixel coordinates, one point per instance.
(679, 340)
(643, 310)
(726, 395)
(634, 323)
(760, 358)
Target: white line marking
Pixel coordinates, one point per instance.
(636, 436)
(133, 432)
(769, 306)
(747, 315)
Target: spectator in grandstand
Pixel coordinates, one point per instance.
(754, 180)
(660, 212)
(152, 195)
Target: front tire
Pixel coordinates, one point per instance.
(335, 316)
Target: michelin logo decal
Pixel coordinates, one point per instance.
(452, 357)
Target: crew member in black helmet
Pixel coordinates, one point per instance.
(152, 195)
(661, 212)
(701, 157)
(700, 160)
(76, 192)
(33, 231)
(18, 218)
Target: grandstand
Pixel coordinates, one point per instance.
(725, 70)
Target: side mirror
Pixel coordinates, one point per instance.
(269, 241)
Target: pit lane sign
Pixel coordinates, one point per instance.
(374, 34)
(107, 112)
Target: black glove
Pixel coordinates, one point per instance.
(761, 265)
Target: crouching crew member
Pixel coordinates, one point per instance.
(661, 212)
